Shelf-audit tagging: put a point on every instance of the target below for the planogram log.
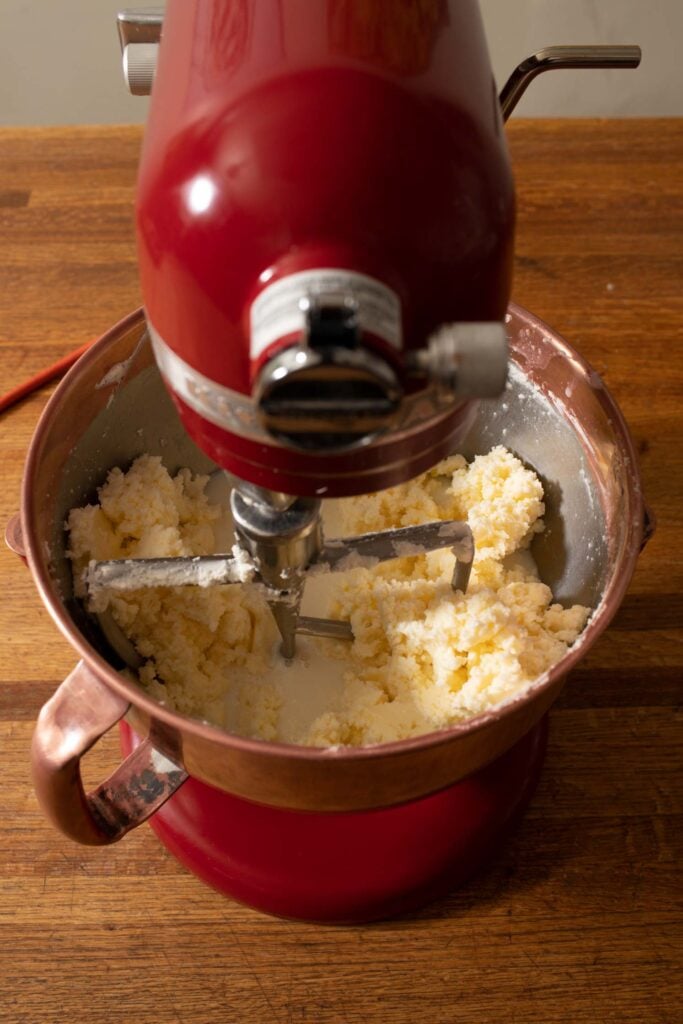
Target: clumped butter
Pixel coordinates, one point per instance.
(423, 657)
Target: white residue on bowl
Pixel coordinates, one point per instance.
(114, 374)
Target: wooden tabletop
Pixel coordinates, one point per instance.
(578, 919)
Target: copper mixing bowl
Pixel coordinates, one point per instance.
(112, 406)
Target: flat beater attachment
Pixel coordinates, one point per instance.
(277, 549)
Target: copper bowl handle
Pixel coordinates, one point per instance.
(14, 538)
(79, 713)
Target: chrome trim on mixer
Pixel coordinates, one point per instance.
(239, 414)
(228, 409)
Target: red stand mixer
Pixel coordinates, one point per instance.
(325, 226)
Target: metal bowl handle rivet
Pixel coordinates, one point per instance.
(73, 720)
(14, 537)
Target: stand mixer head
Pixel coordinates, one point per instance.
(325, 226)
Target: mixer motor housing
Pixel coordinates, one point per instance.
(317, 198)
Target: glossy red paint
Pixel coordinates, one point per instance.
(286, 136)
(331, 476)
(352, 867)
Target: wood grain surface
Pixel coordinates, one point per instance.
(578, 918)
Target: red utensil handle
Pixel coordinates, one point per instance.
(43, 377)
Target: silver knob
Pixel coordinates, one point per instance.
(466, 360)
(471, 359)
(139, 65)
(139, 35)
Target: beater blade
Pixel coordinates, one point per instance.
(121, 574)
(284, 600)
(337, 555)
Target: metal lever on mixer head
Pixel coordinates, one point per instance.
(554, 58)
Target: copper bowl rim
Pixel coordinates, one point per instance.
(598, 622)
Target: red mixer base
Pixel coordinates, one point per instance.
(351, 867)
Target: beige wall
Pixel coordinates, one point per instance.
(516, 28)
(59, 59)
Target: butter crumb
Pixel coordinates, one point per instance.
(422, 658)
